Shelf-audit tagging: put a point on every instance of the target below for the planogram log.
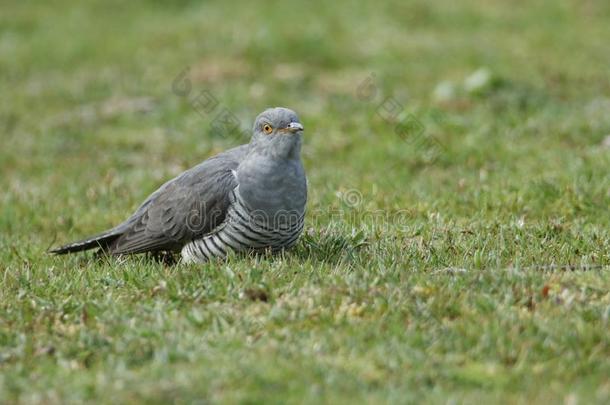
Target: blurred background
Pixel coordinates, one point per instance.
(515, 93)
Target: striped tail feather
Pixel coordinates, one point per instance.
(102, 241)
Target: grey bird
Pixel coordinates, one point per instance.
(251, 197)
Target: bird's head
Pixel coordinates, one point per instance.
(277, 132)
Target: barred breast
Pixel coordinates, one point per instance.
(245, 229)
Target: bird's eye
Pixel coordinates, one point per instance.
(267, 129)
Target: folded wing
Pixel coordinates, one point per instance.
(185, 208)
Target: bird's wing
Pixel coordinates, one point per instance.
(183, 209)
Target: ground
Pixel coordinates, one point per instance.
(456, 247)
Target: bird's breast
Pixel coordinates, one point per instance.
(273, 187)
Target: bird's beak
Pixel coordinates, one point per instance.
(294, 127)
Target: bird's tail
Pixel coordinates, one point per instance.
(102, 241)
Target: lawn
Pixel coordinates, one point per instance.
(456, 245)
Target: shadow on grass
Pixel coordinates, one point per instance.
(329, 246)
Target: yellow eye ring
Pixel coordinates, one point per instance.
(267, 129)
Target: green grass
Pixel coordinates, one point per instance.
(476, 273)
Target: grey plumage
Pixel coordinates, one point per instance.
(249, 197)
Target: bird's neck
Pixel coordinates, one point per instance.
(269, 183)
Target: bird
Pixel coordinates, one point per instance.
(249, 198)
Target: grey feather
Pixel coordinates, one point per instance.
(182, 209)
(249, 197)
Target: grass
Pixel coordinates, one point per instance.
(478, 272)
